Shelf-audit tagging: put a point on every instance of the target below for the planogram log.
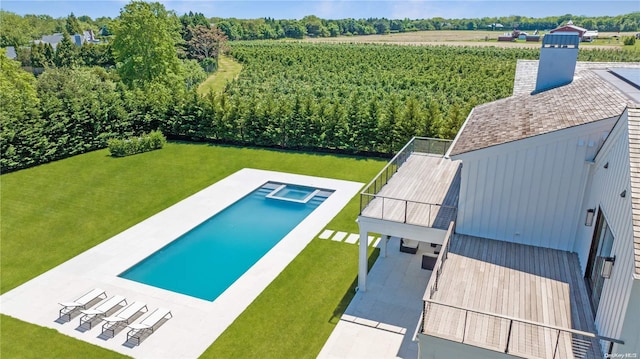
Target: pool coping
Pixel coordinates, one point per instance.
(196, 323)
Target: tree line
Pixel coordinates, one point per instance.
(18, 30)
(347, 98)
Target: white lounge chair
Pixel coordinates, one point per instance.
(123, 316)
(148, 323)
(80, 303)
(101, 309)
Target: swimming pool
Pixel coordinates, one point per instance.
(208, 259)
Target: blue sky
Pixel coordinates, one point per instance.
(336, 9)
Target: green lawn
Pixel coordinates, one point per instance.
(53, 212)
(227, 71)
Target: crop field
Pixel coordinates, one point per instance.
(463, 38)
(357, 97)
(361, 97)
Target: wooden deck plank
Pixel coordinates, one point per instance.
(421, 179)
(533, 283)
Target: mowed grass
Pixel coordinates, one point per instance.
(27, 341)
(53, 212)
(228, 70)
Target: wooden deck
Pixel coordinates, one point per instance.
(515, 280)
(424, 191)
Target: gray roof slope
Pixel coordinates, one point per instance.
(588, 98)
(634, 167)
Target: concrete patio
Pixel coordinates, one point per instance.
(381, 322)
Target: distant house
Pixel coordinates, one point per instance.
(590, 35)
(583, 34)
(89, 37)
(78, 39)
(53, 40)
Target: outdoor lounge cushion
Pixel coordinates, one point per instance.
(148, 323)
(409, 246)
(124, 315)
(81, 302)
(101, 309)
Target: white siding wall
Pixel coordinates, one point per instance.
(631, 328)
(529, 191)
(604, 192)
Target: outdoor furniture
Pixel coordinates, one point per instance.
(148, 323)
(101, 309)
(81, 302)
(428, 261)
(123, 316)
(409, 246)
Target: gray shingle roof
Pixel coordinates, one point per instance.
(634, 167)
(587, 99)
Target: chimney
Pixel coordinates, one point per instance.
(558, 58)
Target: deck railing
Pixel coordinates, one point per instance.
(502, 333)
(503, 329)
(370, 193)
(434, 280)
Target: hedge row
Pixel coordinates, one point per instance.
(148, 142)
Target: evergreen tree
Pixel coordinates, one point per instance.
(38, 58)
(49, 55)
(66, 53)
(72, 26)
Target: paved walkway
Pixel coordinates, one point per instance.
(381, 322)
(351, 238)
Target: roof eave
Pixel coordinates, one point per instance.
(460, 131)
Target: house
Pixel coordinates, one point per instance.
(534, 209)
(583, 34)
(77, 39)
(53, 40)
(89, 37)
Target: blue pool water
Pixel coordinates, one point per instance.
(205, 261)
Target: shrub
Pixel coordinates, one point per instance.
(629, 40)
(147, 142)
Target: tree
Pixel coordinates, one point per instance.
(411, 121)
(66, 53)
(314, 26)
(294, 29)
(80, 107)
(72, 26)
(13, 30)
(232, 29)
(206, 43)
(145, 44)
(18, 116)
(49, 54)
(381, 26)
(38, 58)
(96, 55)
(193, 73)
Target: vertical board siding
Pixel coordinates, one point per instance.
(604, 192)
(529, 191)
